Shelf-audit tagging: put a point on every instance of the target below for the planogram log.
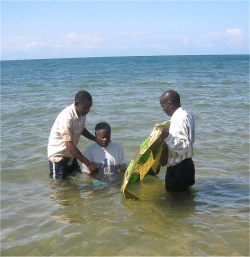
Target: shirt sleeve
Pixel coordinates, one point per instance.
(66, 130)
(84, 167)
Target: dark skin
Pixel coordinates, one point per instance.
(103, 137)
(170, 102)
(83, 109)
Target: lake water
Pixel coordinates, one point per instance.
(81, 219)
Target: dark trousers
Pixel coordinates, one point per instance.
(180, 176)
(61, 170)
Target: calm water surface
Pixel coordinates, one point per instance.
(81, 219)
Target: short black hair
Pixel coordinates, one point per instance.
(82, 96)
(103, 125)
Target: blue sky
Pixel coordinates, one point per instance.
(64, 29)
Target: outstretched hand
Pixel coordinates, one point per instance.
(92, 168)
(94, 177)
(162, 127)
(165, 131)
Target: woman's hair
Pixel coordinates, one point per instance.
(101, 126)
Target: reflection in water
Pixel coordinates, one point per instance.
(171, 220)
(161, 216)
(85, 201)
(185, 223)
(152, 188)
(152, 194)
(80, 200)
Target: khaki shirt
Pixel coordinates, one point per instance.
(68, 126)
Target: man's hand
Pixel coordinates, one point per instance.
(165, 131)
(92, 168)
(77, 154)
(94, 177)
(164, 155)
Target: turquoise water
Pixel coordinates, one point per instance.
(83, 219)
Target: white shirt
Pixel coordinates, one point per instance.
(109, 160)
(181, 137)
(68, 126)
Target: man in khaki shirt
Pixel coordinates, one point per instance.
(64, 137)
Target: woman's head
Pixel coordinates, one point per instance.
(103, 134)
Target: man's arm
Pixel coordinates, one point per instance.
(77, 154)
(165, 131)
(88, 135)
(180, 142)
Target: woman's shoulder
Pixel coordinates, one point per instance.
(114, 144)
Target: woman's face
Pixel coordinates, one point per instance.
(103, 138)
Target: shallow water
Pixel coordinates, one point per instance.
(82, 219)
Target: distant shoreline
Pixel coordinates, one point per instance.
(125, 56)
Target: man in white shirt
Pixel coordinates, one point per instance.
(108, 156)
(179, 137)
(64, 136)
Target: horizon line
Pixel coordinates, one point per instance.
(122, 56)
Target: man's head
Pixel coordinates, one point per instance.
(170, 102)
(83, 102)
(103, 134)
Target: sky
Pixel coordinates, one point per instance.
(75, 29)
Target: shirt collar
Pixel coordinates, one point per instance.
(176, 112)
(74, 111)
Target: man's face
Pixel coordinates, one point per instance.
(83, 108)
(103, 138)
(166, 107)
